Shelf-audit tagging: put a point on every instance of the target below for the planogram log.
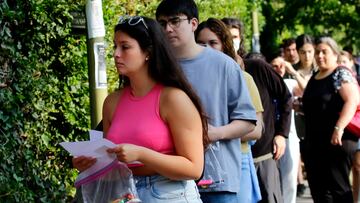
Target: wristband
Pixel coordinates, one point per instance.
(337, 128)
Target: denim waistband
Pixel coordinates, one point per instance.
(147, 181)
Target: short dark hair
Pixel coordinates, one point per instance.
(163, 65)
(287, 42)
(254, 55)
(347, 55)
(176, 7)
(349, 49)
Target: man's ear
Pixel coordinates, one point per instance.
(194, 22)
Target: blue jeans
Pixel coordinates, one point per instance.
(249, 184)
(159, 189)
(219, 197)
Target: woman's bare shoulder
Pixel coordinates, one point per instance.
(111, 101)
(113, 96)
(173, 94)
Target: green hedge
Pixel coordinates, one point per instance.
(43, 99)
(44, 91)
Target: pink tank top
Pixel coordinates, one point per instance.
(137, 121)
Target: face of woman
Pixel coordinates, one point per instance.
(207, 37)
(129, 57)
(306, 54)
(345, 61)
(325, 57)
(235, 33)
(236, 38)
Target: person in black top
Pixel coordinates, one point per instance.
(275, 98)
(329, 101)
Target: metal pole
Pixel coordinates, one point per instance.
(256, 35)
(96, 59)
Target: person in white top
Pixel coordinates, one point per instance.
(289, 161)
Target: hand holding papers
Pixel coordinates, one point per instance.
(96, 147)
(92, 148)
(107, 174)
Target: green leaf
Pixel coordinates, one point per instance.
(45, 139)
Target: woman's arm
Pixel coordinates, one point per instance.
(257, 132)
(297, 76)
(185, 125)
(349, 92)
(235, 129)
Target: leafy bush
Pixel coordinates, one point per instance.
(43, 99)
(44, 91)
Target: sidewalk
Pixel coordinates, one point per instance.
(306, 198)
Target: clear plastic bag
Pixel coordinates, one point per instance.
(111, 184)
(214, 174)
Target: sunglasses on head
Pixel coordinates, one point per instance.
(132, 20)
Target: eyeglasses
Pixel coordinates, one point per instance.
(132, 20)
(173, 22)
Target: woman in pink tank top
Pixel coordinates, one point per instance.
(156, 119)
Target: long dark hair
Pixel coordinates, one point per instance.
(300, 41)
(304, 39)
(162, 64)
(222, 32)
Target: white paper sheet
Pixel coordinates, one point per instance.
(96, 147)
(96, 135)
(92, 148)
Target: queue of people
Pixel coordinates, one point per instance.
(203, 121)
(215, 34)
